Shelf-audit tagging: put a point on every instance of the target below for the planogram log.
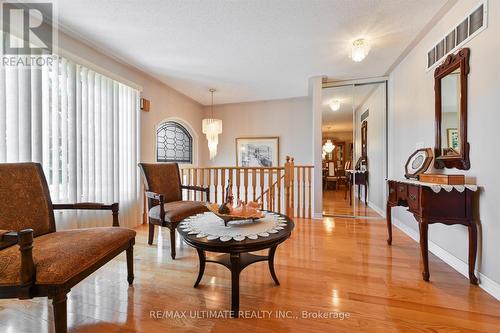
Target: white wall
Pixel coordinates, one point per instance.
(165, 101)
(376, 147)
(289, 119)
(411, 121)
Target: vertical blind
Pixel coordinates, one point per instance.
(83, 127)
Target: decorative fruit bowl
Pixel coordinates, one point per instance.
(214, 208)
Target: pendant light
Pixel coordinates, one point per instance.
(212, 127)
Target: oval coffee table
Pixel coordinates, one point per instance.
(236, 255)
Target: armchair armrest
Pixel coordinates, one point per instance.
(114, 207)
(155, 196)
(25, 240)
(198, 188)
(161, 201)
(9, 236)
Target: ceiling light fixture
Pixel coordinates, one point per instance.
(360, 49)
(328, 146)
(212, 128)
(335, 105)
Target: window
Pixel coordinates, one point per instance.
(173, 143)
(81, 126)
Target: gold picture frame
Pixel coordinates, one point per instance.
(263, 151)
(453, 138)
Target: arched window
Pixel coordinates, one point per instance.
(173, 143)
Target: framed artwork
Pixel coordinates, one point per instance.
(453, 140)
(257, 152)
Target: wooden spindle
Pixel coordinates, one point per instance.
(254, 182)
(216, 184)
(238, 183)
(223, 181)
(195, 181)
(230, 178)
(288, 206)
(303, 192)
(298, 190)
(261, 182)
(245, 182)
(292, 184)
(189, 183)
(278, 186)
(309, 190)
(270, 186)
(209, 180)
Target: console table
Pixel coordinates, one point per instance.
(433, 203)
(356, 177)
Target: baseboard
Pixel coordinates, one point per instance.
(485, 283)
(317, 216)
(376, 208)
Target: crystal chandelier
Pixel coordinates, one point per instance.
(212, 127)
(328, 146)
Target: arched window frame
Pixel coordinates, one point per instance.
(185, 129)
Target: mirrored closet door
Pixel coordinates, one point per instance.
(354, 149)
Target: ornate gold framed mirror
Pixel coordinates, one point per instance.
(450, 85)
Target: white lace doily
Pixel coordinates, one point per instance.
(212, 227)
(438, 187)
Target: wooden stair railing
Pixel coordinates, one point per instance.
(284, 189)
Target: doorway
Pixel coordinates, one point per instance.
(354, 149)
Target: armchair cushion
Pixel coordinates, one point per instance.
(177, 211)
(60, 256)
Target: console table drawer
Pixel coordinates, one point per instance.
(413, 198)
(402, 191)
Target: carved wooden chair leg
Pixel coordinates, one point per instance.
(172, 241)
(60, 314)
(151, 235)
(130, 264)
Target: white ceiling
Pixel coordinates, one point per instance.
(251, 49)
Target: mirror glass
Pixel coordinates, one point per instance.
(450, 114)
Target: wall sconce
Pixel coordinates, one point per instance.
(145, 104)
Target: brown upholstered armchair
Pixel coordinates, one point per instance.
(38, 261)
(166, 208)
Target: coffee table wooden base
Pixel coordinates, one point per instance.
(236, 262)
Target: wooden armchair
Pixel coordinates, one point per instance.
(166, 208)
(46, 262)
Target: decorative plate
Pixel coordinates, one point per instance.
(418, 163)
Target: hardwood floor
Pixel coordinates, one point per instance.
(335, 204)
(341, 265)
